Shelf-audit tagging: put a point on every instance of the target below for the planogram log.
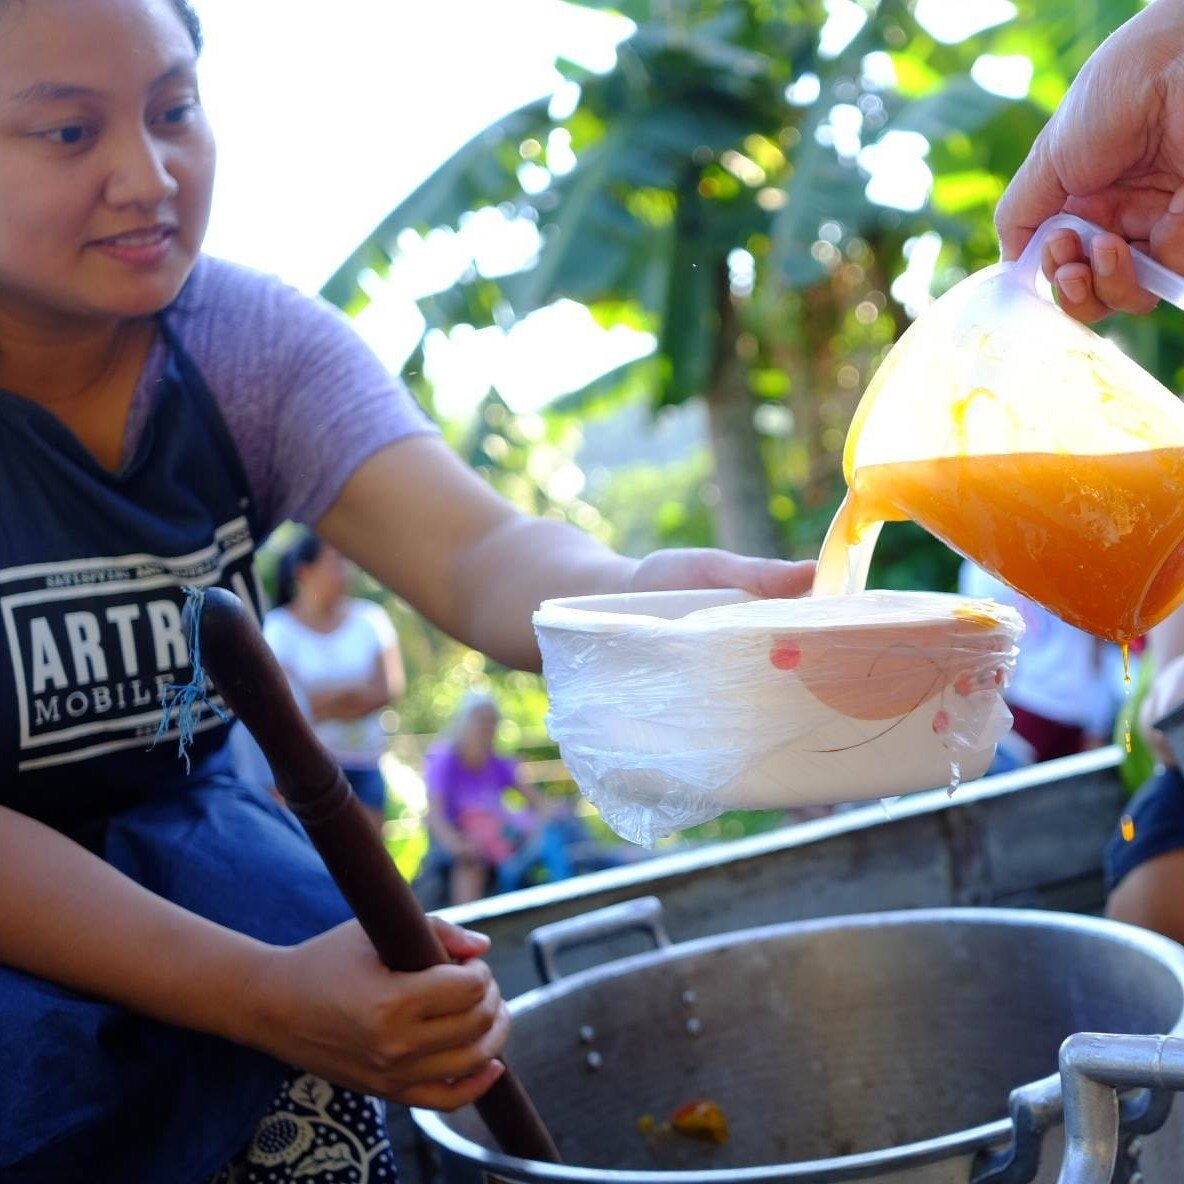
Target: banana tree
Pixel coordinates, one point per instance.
(732, 126)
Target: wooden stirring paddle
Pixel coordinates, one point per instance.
(250, 680)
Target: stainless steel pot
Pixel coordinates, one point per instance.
(917, 1046)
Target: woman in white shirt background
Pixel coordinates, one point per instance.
(342, 656)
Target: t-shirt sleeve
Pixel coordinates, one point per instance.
(435, 774)
(278, 636)
(338, 405)
(379, 622)
(306, 400)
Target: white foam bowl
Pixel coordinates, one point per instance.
(679, 705)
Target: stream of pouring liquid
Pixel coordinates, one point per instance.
(1098, 540)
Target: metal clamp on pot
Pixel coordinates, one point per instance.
(1036, 1108)
(1093, 1069)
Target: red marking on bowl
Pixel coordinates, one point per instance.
(941, 721)
(785, 655)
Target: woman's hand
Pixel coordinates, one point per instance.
(670, 571)
(1113, 153)
(1114, 150)
(1093, 286)
(464, 848)
(429, 1039)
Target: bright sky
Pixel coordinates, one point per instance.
(325, 122)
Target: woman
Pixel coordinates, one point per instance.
(182, 986)
(342, 656)
(467, 814)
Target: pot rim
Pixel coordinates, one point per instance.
(847, 1167)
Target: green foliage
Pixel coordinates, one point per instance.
(689, 150)
(651, 506)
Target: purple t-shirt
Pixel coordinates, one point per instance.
(304, 397)
(458, 788)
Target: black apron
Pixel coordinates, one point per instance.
(91, 569)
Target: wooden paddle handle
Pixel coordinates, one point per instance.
(245, 672)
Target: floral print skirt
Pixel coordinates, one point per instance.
(318, 1133)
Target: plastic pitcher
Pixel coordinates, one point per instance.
(1027, 443)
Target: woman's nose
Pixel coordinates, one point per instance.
(139, 173)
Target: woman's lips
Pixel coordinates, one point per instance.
(139, 248)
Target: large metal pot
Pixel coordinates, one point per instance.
(879, 1047)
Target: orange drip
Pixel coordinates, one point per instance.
(1098, 540)
(1126, 683)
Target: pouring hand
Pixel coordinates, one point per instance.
(1093, 286)
(1113, 152)
(429, 1039)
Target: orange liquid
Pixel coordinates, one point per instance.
(1098, 540)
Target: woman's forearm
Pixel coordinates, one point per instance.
(347, 704)
(68, 917)
(431, 530)
(447, 835)
(520, 564)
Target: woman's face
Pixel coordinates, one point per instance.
(326, 578)
(480, 729)
(106, 159)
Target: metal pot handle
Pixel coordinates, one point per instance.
(1037, 1107)
(1033, 1109)
(644, 913)
(1093, 1069)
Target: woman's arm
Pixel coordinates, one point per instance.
(326, 1005)
(539, 802)
(357, 700)
(427, 527)
(67, 916)
(384, 683)
(450, 837)
(396, 675)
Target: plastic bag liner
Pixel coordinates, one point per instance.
(670, 708)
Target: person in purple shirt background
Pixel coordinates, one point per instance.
(467, 812)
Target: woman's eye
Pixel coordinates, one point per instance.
(69, 135)
(178, 116)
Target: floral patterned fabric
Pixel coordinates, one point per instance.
(318, 1133)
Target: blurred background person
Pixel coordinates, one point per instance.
(1067, 687)
(468, 817)
(342, 656)
(1144, 860)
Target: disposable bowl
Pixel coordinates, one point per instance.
(669, 708)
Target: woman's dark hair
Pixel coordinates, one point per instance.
(190, 20)
(306, 549)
